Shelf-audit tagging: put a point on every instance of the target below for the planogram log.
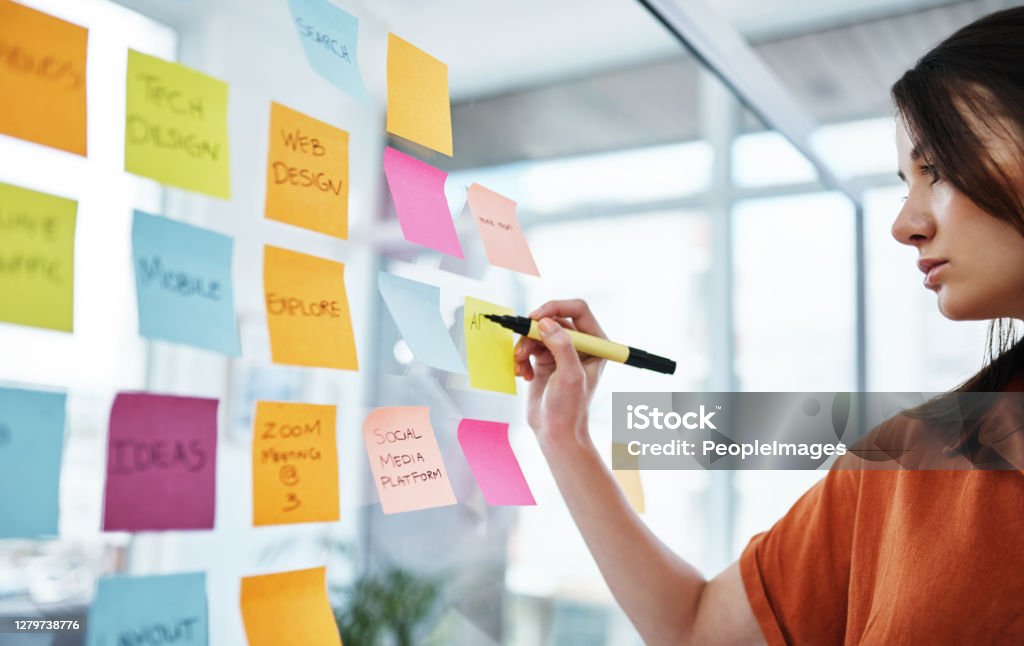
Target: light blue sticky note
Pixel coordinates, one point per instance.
(183, 282)
(329, 37)
(31, 443)
(167, 609)
(416, 308)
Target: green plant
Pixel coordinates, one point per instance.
(394, 601)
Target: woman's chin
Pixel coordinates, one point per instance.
(960, 309)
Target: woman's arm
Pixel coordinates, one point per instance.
(666, 598)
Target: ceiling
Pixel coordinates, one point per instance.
(839, 73)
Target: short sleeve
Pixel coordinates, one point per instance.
(797, 573)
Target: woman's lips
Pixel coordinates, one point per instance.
(932, 273)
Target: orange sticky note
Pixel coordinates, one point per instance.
(629, 477)
(289, 608)
(405, 459)
(419, 108)
(503, 239)
(294, 464)
(307, 173)
(307, 310)
(42, 76)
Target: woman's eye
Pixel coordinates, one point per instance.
(931, 171)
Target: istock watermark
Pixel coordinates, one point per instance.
(817, 430)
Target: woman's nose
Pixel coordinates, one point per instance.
(913, 225)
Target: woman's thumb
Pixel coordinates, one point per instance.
(557, 341)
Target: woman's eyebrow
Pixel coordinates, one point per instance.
(915, 154)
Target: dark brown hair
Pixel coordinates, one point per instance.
(971, 86)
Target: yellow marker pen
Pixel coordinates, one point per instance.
(590, 344)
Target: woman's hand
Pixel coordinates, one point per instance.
(562, 381)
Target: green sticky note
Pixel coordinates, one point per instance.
(37, 258)
(176, 126)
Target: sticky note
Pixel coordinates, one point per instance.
(42, 73)
(37, 258)
(183, 284)
(307, 173)
(489, 348)
(307, 310)
(405, 459)
(418, 104)
(416, 309)
(495, 467)
(31, 444)
(628, 479)
(294, 464)
(176, 126)
(329, 36)
(161, 463)
(288, 608)
(495, 217)
(417, 189)
(168, 609)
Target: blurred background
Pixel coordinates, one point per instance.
(717, 179)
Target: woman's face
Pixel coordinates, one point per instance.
(981, 275)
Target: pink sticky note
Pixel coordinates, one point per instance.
(161, 463)
(494, 465)
(405, 459)
(495, 217)
(417, 190)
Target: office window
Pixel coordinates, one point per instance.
(794, 269)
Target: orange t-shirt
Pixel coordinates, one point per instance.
(894, 557)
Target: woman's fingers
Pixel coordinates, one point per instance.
(575, 309)
(525, 348)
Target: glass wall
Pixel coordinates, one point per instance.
(691, 228)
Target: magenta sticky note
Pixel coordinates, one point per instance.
(161, 463)
(417, 190)
(494, 465)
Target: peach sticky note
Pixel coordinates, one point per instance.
(294, 464)
(495, 217)
(307, 310)
(405, 459)
(417, 189)
(307, 173)
(418, 103)
(494, 465)
(42, 73)
(176, 126)
(37, 258)
(489, 348)
(288, 608)
(628, 479)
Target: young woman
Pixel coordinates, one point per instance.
(865, 556)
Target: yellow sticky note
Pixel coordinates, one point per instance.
(628, 479)
(42, 73)
(176, 126)
(418, 102)
(405, 459)
(307, 173)
(288, 608)
(37, 258)
(489, 348)
(294, 464)
(307, 310)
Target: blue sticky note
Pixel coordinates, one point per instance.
(183, 282)
(31, 443)
(416, 309)
(167, 609)
(329, 37)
